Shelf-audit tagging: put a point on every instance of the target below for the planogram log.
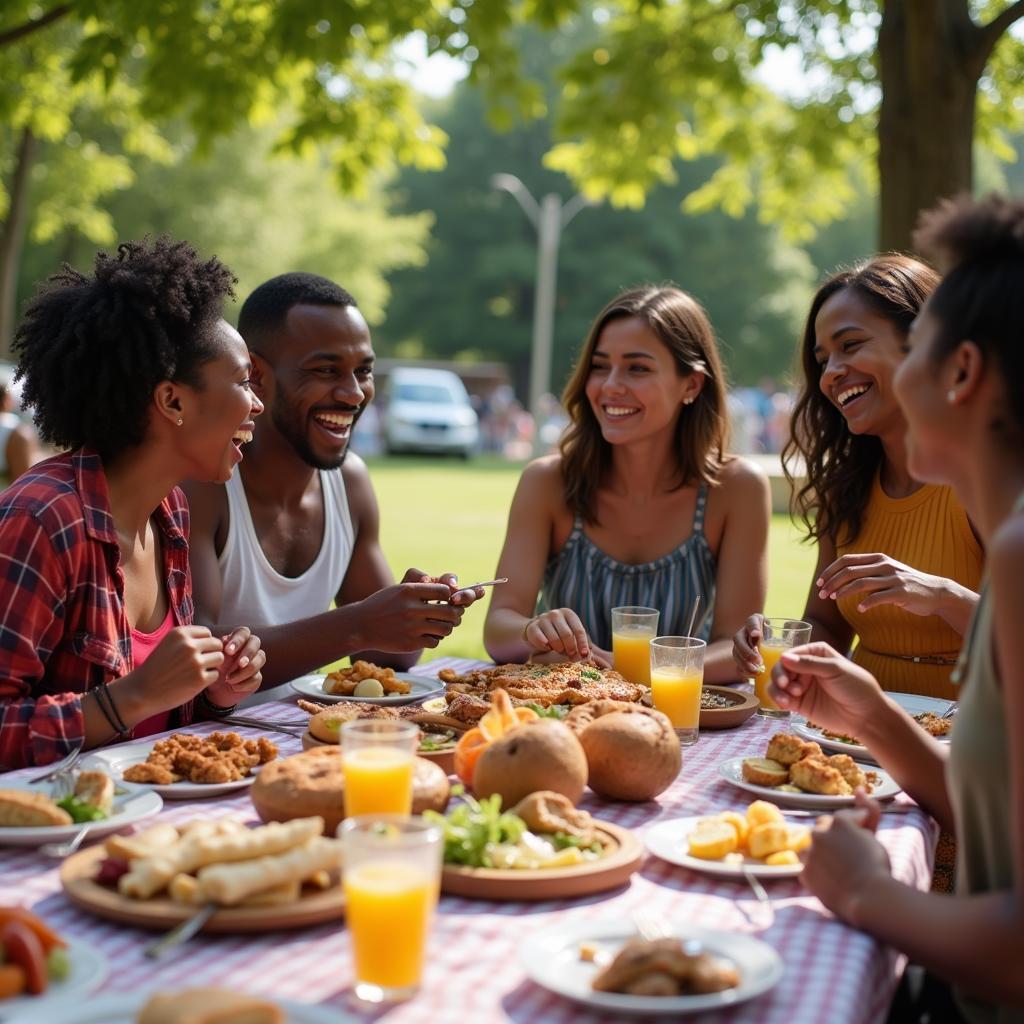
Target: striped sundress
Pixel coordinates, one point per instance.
(582, 577)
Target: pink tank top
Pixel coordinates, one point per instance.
(143, 645)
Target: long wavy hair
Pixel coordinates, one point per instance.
(840, 467)
(702, 428)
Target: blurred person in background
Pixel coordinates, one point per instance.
(19, 443)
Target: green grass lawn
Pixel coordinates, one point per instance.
(441, 515)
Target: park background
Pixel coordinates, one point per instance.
(741, 149)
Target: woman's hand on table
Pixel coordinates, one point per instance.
(816, 681)
(744, 647)
(845, 859)
(560, 631)
(241, 673)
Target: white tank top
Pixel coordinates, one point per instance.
(254, 593)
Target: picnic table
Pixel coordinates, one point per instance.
(832, 972)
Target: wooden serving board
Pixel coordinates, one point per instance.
(624, 856)
(444, 759)
(78, 871)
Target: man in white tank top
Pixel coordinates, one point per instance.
(297, 525)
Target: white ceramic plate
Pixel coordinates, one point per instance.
(910, 702)
(117, 760)
(422, 688)
(552, 959)
(732, 771)
(123, 1009)
(88, 969)
(129, 807)
(668, 840)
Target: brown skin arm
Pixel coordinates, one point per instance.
(972, 941)
(368, 570)
(741, 579)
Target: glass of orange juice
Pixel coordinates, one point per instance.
(633, 628)
(378, 758)
(777, 635)
(677, 674)
(391, 876)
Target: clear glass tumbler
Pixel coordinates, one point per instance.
(677, 675)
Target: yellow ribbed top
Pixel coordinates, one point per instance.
(929, 531)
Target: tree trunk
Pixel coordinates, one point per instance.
(12, 238)
(930, 58)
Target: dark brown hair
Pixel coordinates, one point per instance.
(702, 429)
(840, 467)
(980, 248)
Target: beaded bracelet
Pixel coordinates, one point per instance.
(105, 702)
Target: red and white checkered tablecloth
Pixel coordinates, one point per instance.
(832, 973)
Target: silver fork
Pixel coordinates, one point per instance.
(65, 849)
(66, 764)
(289, 729)
(762, 897)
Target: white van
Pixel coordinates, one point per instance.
(429, 411)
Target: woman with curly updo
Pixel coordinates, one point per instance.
(133, 371)
(898, 561)
(643, 505)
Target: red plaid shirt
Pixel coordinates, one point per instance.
(63, 628)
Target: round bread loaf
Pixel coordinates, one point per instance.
(313, 783)
(633, 752)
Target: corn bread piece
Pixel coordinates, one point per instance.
(141, 844)
(760, 812)
(20, 808)
(815, 775)
(768, 839)
(738, 822)
(97, 790)
(763, 771)
(208, 1006)
(712, 840)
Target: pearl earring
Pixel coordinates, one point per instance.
(688, 400)
(181, 422)
(951, 396)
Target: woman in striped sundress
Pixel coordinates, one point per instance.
(642, 505)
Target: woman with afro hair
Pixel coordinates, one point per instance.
(133, 371)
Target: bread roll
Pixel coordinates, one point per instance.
(20, 808)
(312, 783)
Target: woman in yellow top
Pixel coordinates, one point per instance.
(898, 561)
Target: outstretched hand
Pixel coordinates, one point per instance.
(823, 686)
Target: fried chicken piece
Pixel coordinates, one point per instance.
(264, 749)
(933, 724)
(816, 775)
(207, 770)
(847, 767)
(151, 774)
(343, 681)
(787, 749)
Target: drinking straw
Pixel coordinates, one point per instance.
(693, 616)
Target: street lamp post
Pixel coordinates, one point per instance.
(550, 218)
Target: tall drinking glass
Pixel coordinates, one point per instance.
(677, 674)
(633, 628)
(391, 876)
(378, 757)
(777, 635)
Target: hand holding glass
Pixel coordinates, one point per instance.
(391, 875)
(777, 635)
(677, 674)
(633, 628)
(378, 758)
